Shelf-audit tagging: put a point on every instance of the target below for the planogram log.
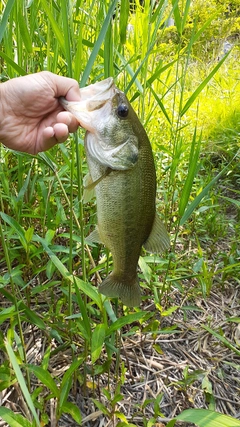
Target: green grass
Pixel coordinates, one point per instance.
(48, 276)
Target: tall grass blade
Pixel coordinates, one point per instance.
(66, 32)
(202, 85)
(204, 192)
(177, 16)
(55, 26)
(26, 38)
(193, 159)
(5, 16)
(20, 71)
(98, 44)
(21, 381)
(123, 21)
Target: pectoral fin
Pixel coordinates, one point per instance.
(158, 240)
(89, 185)
(88, 188)
(94, 237)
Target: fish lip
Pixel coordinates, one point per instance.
(98, 91)
(93, 96)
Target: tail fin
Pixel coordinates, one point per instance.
(129, 292)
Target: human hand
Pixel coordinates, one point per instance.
(31, 117)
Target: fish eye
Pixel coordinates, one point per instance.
(122, 110)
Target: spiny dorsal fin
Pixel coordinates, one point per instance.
(158, 240)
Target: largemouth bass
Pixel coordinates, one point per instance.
(122, 170)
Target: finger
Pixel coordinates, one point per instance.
(63, 86)
(52, 136)
(69, 120)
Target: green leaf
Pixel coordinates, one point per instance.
(32, 316)
(55, 26)
(89, 290)
(222, 339)
(192, 170)
(73, 410)
(146, 270)
(46, 379)
(5, 16)
(12, 419)
(73, 367)
(98, 43)
(125, 320)
(202, 85)
(123, 21)
(203, 193)
(16, 227)
(7, 313)
(24, 33)
(56, 261)
(206, 418)
(21, 381)
(98, 337)
(177, 16)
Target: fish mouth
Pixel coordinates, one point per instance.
(93, 98)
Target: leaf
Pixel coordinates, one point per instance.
(177, 17)
(70, 371)
(98, 43)
(32, 316)
(20, 71)
(146, 270)
(192, 170)
(206, 418)
(46, 379)
(7, 313)
(89, 290)
(203, 193)
(21, 381)
(56, 261)
(98, 337)
(123, 21)
(5, 16)
(16, 227)
(55, 26)
(202, 85)
(222, 339)
(12, 419)
(125, 320)
(73, 410)
(24, 33)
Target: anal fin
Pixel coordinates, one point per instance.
(158, 240)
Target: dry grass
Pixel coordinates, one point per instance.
(149, 373)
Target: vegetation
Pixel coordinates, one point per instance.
(69, 356)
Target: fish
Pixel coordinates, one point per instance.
(122, 173)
